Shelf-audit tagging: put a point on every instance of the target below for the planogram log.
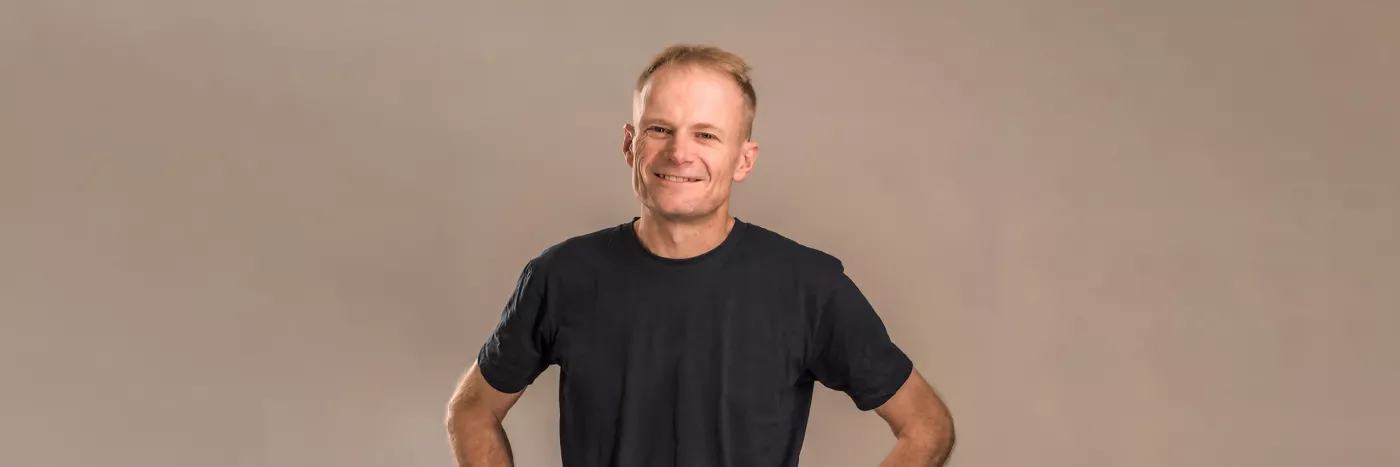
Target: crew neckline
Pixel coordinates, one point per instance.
(714, 254)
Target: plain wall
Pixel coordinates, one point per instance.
(273, 233)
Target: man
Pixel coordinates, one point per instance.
(688, 337)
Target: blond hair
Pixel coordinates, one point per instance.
(710, 57)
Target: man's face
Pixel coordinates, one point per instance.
(689, 143)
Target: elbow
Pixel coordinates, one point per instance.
(453, 418)
(946, 441)
(932, 440)
(940, 439)
(459, 416)
(945, 432)
(940, 431)
(462, 418)
(451, 415)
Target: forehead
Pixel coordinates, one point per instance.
(690, 93)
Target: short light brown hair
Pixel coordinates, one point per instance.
(713, 58)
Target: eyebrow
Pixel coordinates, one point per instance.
(655, 121)
(707, 126)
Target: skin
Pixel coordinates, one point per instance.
(692, 123)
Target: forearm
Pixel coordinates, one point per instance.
(479, 441)
(910, 453)
(928, 449)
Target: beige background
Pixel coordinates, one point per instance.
(272, 233)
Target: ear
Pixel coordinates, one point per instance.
(628, 133)
(748, 155)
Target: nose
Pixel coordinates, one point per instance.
(679, 150)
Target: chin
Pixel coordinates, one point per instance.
(680, 212)
(673, 212)
(679, 206)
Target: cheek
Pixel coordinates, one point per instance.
(725, 167)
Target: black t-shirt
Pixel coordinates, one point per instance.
(706, 361)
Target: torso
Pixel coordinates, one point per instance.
(705, 361)
(682, 362)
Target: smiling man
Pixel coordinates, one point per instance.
(688, 337)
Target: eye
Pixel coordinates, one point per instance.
(706, 136)
(657, 129)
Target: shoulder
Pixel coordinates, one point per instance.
(810, 261)
(581, 249)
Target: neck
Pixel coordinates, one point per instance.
(677, 239)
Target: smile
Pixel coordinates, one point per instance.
(674, 178)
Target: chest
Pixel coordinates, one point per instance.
(721, 328)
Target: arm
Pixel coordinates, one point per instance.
(474, 417)
(922, 426)
(855, 354)
(514, 354)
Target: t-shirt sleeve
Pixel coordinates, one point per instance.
(853, 352)
(518, 349)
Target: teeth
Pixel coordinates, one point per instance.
(675, 179)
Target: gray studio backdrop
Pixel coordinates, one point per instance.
(273, 233)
